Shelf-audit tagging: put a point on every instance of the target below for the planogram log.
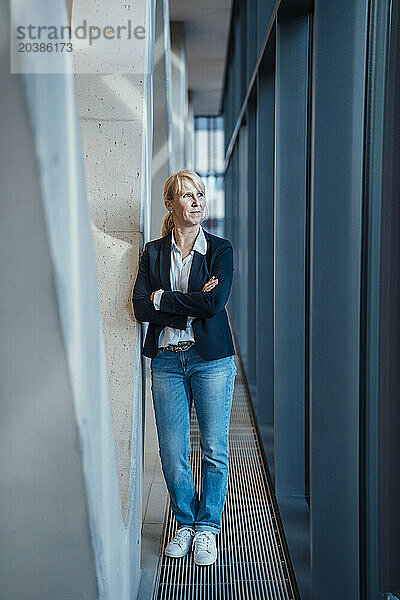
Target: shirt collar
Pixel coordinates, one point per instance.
(200, 244)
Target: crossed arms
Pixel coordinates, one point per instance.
(176, 307)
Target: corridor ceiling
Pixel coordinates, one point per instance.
(206, 25)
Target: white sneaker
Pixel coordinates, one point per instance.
(205, 548)
(181, 543)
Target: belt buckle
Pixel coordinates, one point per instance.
(185, 345)
(180, 346)
(173, 347)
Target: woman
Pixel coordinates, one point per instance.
(181, 289)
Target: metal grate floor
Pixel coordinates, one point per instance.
(252, 561)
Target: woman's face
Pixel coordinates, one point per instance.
(188, 205)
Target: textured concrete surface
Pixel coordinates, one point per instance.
(154, 501)
(114, 124)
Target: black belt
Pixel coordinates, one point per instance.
(179, 347)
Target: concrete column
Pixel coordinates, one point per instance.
(162, 123)
(115, 113)
(179, 94)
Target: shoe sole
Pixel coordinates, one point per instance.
(205, 564)
(176, 555)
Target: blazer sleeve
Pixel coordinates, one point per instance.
(143, 307)
(204, 304)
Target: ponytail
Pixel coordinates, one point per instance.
(167, 224)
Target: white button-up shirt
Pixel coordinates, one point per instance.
(179, 279)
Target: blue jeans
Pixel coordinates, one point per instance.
(176, 378)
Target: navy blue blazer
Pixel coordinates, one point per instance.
(210, 326)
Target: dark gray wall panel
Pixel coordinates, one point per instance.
(251, 246)
(265, 246)
(290, 237)
(336, 256)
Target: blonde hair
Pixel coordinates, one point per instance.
(173, 186)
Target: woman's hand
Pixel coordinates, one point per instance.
(211, 283)
(152, 295)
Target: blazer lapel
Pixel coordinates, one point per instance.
(194, 270)
(165, 263)
(199, 267)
